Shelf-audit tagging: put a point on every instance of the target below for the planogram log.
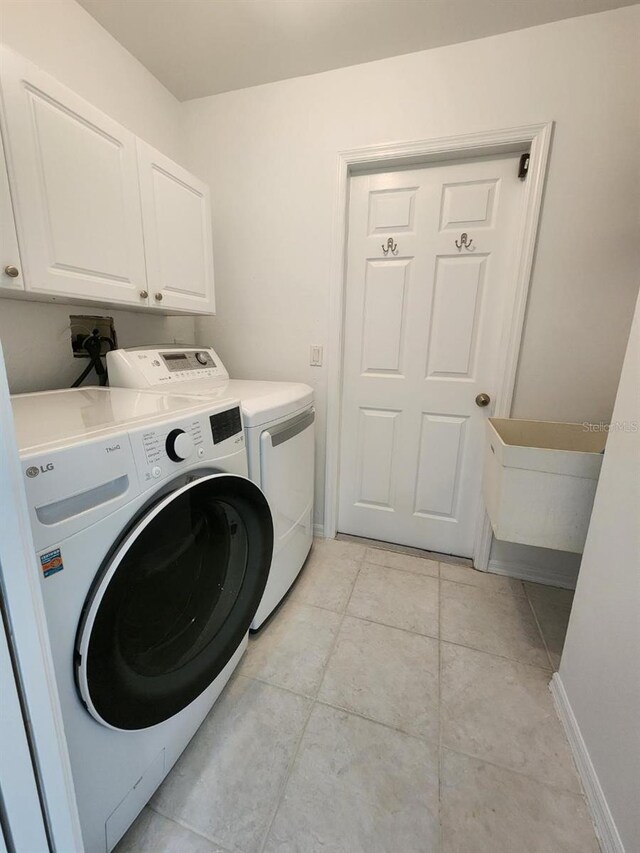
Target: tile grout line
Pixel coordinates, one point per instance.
(574, 793)
(393, 627)
(479, 587)
(361, 716)
(259, 680)
(191, 829)
(539, 627)
(483, 589)
(450, 642)
(312, 703)
(399, 569)
(285, 780)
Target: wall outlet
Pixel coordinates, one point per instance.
(82, 325)
(315, 358)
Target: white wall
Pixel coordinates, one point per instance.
(63, 39)
(269, 154)
(36, 339)
(600, 667)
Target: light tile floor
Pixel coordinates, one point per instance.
(394, 704)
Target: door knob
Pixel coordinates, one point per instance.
(158, 297)
(483, 400)
(11, 271)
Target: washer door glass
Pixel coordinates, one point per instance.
(174, 601)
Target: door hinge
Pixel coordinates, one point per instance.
(523, 166)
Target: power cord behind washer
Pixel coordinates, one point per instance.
(93, 345)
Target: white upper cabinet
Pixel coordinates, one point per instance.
(74, 175)
(176, 218)
(100, 216)
(10, 267)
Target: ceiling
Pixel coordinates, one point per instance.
(203, 47)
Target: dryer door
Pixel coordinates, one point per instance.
(173, 601)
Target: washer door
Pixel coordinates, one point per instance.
(173, 601)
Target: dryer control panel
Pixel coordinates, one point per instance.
(162, 367)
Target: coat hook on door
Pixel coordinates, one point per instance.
(465, 241)
(391, 247)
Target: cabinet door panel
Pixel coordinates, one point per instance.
(9, 255)
(176, 217)
(74, 173)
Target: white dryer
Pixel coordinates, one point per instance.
(154, 549)
(279, 429)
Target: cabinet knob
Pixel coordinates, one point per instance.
(11, 271)
(144, 294)
(158, 297)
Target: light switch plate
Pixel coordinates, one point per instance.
(315, 358)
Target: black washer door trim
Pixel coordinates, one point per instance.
(172, 602)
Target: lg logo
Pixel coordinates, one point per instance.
(34, 470)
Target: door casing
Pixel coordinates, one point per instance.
(423, 153)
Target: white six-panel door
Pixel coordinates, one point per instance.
(75, 175)
(423, 337)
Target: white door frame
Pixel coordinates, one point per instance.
(421, 153)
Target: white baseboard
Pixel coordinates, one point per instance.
(318, 531)
(551, 576)
(606, 829)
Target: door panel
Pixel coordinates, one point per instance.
(391, 210)
(469, 203)
(377, 440)
(457, 294)
(383, 316)
(176, 215)
(423, 337)
(76, 182)
(438, 471)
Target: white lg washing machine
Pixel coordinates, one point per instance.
(279, 428)
(154, 549)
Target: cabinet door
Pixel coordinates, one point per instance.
(9, 255)
(73, 173)
(176, 217)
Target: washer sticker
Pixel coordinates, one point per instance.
(51, 562)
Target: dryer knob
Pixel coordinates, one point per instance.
(179, 445)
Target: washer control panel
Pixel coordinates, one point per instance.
(164, 448)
